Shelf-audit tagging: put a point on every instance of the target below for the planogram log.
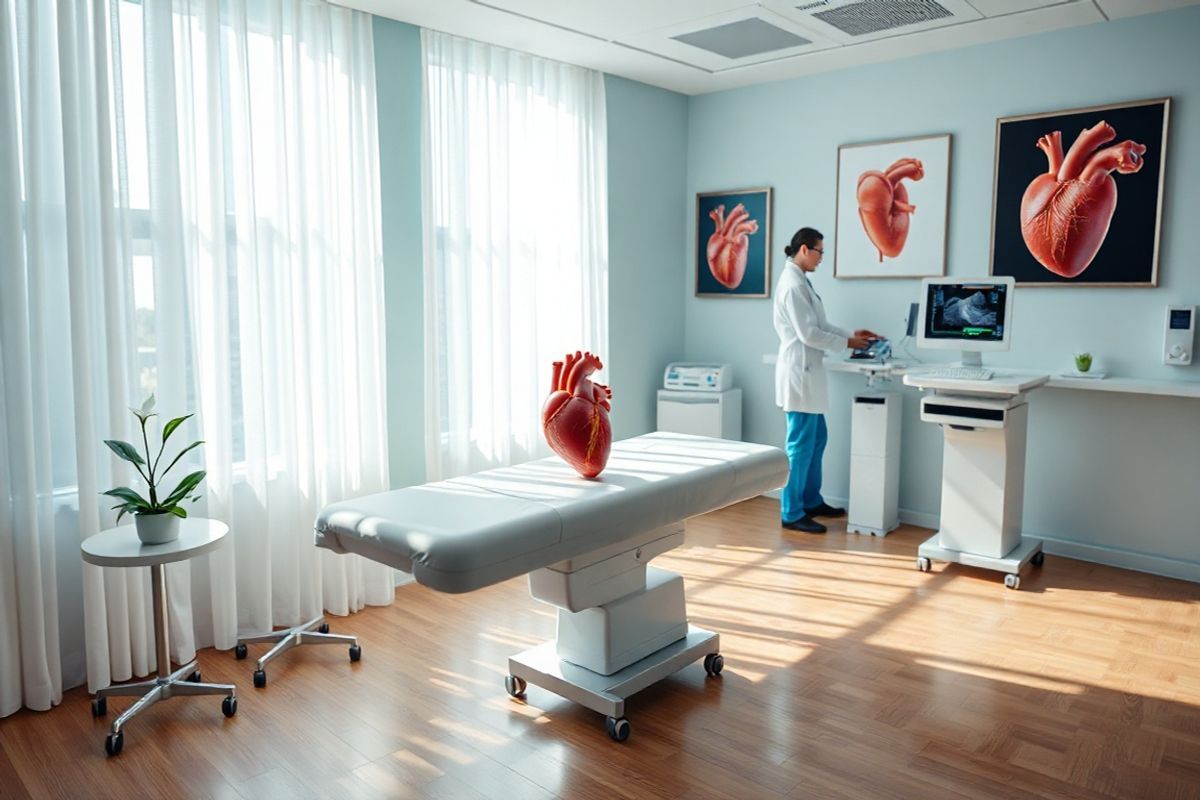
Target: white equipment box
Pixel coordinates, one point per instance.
(875, 463)
(701, 413)
(698, 377)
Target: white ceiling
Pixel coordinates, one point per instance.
(637, 39)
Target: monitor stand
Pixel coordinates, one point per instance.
(971, 358)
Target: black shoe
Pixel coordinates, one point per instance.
(825, 510)
(806, 524)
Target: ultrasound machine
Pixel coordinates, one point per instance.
(983, 414)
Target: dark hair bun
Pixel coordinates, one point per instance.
(787, 250)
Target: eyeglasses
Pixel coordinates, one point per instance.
(817, 250)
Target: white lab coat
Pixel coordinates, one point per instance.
(804, 334)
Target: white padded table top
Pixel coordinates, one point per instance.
(465, 533)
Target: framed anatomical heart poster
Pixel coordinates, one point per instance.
(733, 243)
(1077, 195)
(892, 204)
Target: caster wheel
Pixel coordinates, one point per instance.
(194, 677)
(323, 627)
(355, 653)
(260, 679)
(618, 729)
(240, 652)
(114, 743)
(924, 564)
(515, 686)
(99, 706)
(714, 663)
(1038, 559)
(1012, 581)
(229, 706)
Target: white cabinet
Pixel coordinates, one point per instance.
(875, 463)
(716, 414)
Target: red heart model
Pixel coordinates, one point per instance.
(575, 415)
(1066, 211)
(883, 205)
(728, 245)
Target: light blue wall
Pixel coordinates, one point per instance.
(647, 161)
(647, 223)
(398, 97)
(1110, 471)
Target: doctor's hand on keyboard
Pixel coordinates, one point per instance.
(959, 373)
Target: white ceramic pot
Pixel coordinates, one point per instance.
(157, 528)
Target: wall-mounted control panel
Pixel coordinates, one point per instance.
(1179, 336)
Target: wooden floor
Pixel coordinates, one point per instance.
(848, 674)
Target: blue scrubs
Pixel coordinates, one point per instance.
(806, 438)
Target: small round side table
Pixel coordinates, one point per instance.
(120, 547)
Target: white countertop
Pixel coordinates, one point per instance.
(1164, 388)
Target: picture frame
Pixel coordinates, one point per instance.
(733, 246)
(876, 235)
(1070, 243)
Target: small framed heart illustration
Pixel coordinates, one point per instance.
(733, 243)
(1078, 195)
(892, 205)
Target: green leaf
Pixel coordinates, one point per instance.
(181, 452)
(170, 427)
(179, 511)
(185, 486)
(126, 451)
(129, 496)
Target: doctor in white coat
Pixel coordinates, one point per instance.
(800, 379)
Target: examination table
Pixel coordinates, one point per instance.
(586, 544)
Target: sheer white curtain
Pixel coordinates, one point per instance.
(516, 244)
(189, 204)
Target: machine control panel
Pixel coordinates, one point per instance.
(1179, 336)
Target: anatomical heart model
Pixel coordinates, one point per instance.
(883, 204)
(575, 415)
(1066, 211)
(729, 244)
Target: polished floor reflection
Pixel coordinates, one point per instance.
(848, 674)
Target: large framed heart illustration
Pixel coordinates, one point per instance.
(1077, 195)
(733, 243)
(892, 204)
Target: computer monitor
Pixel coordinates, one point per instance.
(969, 315)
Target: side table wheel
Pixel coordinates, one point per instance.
(194, 677)
(229, 706)
(515, 686)
(714, 663)
(99, 706)
(323, 627)
(618, 728)
(924, 564)
(114, 743)
(260, 679)
(1012, 581)
(1038, 559)
(355, 653)
(240, 651)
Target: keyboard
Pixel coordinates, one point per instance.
(959, 373)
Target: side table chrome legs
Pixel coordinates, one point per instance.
(315, 631)
(184, 681)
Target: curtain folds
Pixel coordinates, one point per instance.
(189, 205)
(515, 241)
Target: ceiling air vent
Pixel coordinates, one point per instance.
(747, 37)
(873, 16)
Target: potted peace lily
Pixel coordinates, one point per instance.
(156, 518)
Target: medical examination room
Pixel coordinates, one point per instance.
(650, 399)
